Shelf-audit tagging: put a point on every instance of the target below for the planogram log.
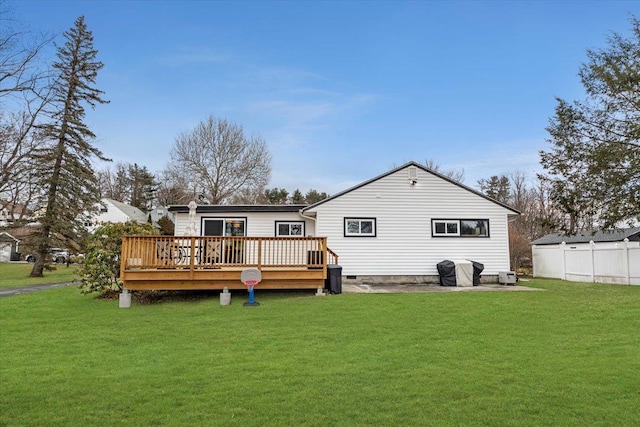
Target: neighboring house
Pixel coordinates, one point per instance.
(394, 227)
(8, 247)
(159, 212)
(114, 211)
(10, 212)
(606, 256)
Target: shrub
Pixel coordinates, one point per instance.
(100, 271)
(166, 226)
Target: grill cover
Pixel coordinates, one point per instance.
(459, 272)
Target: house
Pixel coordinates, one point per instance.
(11, 212)
(111, 210)
(9, 248)
(159, 212)
(395, 227)
(605, 256)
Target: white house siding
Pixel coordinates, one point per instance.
(403, 244)
(5, 251)
(113, 214)
(259, 224)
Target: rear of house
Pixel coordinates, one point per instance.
(398, 226)
(394, 228)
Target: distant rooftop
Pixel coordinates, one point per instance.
(238, 208)
(617, 235)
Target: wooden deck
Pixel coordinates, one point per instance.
(198, 262)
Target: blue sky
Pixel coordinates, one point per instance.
(340, 91)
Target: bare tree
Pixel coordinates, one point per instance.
(21, 73)
(220, 160)
(537, 214)
(173, 189)
(24, 92)
(249, 196)
(113, 183)
(456, 175)
(17, 168)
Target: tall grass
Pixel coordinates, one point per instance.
(567, 356)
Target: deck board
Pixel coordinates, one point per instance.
(155, 262)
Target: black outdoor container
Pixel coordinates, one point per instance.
(477, 269)
(333, 282)
(315, 259)
(447, 272)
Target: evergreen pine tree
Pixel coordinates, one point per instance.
(143, 186)
(70, 187)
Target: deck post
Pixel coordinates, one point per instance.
(123, 255)
(125, 299)
(259, 253)
(225, 296)
(192, 256)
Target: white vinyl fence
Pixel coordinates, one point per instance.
(589, 262)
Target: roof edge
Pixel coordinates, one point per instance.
(425, 169)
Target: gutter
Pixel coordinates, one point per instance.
(312, 218)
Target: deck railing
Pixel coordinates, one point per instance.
(199, 252)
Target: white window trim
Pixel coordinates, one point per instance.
(224, 220)
(458, 223)
(289, 223)
(446, 222)
(360, 220)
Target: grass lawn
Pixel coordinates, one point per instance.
(13, 275)
(569, 356)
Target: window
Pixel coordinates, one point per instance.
(224, 226)
(360, 227)
(460, 228)
(289, 228)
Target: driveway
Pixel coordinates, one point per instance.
(33, 288)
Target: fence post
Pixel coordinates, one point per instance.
(563, 247)
(625, 248)
(592, 247)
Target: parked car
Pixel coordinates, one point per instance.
(57, 255)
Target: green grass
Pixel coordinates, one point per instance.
(569, 356)
(13, 275)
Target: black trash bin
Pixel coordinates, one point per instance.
(15, 256)
(447, 272)
(333, 282)
(477, 269)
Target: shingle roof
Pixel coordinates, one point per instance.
(132, 212)
(4, 236)
(616, 235)
(237, 208)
